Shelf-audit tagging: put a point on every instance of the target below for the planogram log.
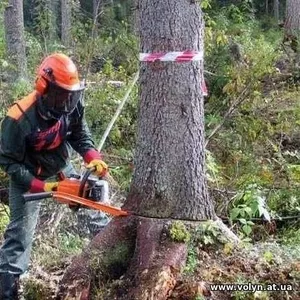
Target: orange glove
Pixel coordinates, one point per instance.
(50, 186)
(100, 166)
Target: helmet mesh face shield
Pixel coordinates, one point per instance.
(60, 101)
(59, 85)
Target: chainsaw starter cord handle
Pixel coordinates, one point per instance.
(37, 196)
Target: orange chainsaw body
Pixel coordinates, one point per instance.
(74, 192)
(70, 186)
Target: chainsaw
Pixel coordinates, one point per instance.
(81, 191)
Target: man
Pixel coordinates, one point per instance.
(37, 136)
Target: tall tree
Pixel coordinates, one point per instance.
(66, 22)
(169, 177)
(97, 9)
(170, 133)
(52, 9)
(15, 41)
(276, 10)
(292, 23)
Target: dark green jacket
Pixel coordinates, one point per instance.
(32, 147)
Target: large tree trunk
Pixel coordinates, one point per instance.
(15, 41)
(66, 22)
(292, 17)
(169, 179)
(292, 23)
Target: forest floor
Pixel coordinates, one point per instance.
(266, 264)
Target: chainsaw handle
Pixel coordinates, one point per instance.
(37, 196)
(84, 179)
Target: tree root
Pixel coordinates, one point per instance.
(227, 233)
(156, 263)
(138, 250)
(76, 282)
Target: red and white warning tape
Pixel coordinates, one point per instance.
(184, 56)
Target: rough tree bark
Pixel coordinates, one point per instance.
(97, 9)
(66, 22)
(292, 23)
(15, 41)
(53, 18)
(169, 177)
(276, 10)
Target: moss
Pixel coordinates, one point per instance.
(179, 233)
(114, 264)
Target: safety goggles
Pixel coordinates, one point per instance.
(62, 101)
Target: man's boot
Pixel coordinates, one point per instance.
(8, 286)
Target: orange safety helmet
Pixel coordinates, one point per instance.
(58, 85)
(60, 70)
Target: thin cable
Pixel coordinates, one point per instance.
(117, 113)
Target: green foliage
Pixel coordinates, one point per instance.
(70, 243)
(102, 101)
(20, 89)
(2, 35)
(4, 218)
(248, 204)
(36, 290)
(179, 233)
(60, 246)
(212, 168)
(192, 260)
(290, 236)
(269, 257)
(121, 167)
(205, 4)
(35, 53)
(207, 234)
(284, 201)
(45, 23)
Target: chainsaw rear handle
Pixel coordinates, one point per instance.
(37, 196)
(84, 179)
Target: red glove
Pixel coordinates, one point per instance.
(39, 186)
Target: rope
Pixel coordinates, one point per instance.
(117, 113)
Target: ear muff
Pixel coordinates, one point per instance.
(41, 85)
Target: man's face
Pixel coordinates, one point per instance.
(60, 101)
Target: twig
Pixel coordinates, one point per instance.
(56, 221)
(241, 98)
(128, 159)
(214, 74)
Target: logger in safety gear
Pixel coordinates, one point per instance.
(37, 136)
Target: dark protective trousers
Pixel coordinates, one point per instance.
(18, 237)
